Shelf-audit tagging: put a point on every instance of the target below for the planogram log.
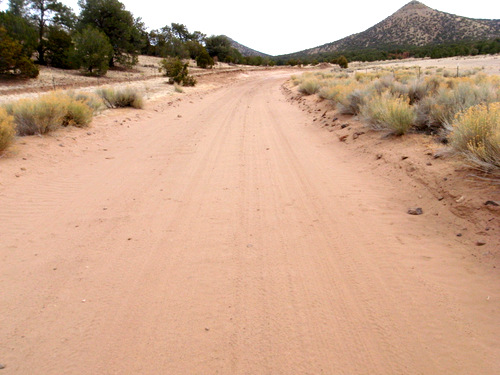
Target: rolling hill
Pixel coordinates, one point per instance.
(244, 50)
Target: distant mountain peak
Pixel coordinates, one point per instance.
(414, 5)
(415, 24)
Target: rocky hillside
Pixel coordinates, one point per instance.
(415, 24)
(246, 51)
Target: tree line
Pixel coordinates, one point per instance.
(104, 34)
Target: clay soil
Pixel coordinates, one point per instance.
(233, 229)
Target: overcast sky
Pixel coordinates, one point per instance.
(277, 27)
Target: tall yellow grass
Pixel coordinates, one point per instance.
(7, 131)
(476, 134)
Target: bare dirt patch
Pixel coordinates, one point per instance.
(490, 64)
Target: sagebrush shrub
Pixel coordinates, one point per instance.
(127, 97)
(476, 134)
(49, 112)
(309, 87)
(78, 114)
(7, 131)
(450, 101)
(91, 100)
(386, 112)
(353, 101)
(39, 116)
(178, 88)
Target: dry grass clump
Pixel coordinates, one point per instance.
(178, 88)
(77, 114)
(388, 112)
(351, 104)
(49, 112)
(39, 116)
(127, 97)
(7, 131)
(369, 76)
(476, 134)
(91, 100)
(309, 86)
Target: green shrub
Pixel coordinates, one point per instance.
(309, 87)
(7, 131)
(12, 59)
(121, 98)
(204, 60)
(342, 62)
(177, 71)
(59, 49)
(476, 134)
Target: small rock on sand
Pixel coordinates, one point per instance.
(415, 211)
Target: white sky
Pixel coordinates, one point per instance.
(277, 27)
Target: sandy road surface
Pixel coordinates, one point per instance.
(234, 239)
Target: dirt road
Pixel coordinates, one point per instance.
(224, 234)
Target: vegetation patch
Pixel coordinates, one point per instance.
(39, 116)
(177, 71)
(7, 131)
(463, 108)
(77, 114)
(309, 86)
(476, 134)
(127, 97)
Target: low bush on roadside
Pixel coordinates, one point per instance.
(387, 112)
(51, 111)
(39, 116)
(434, 99)
(476, 134)
(309, 87)
(77, 114)
(127, 97)
(448, 102)
(353, 101)
(47, 113)
(91, 100)
(7, 131)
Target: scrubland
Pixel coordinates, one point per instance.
(37, 116)
(460, 107)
